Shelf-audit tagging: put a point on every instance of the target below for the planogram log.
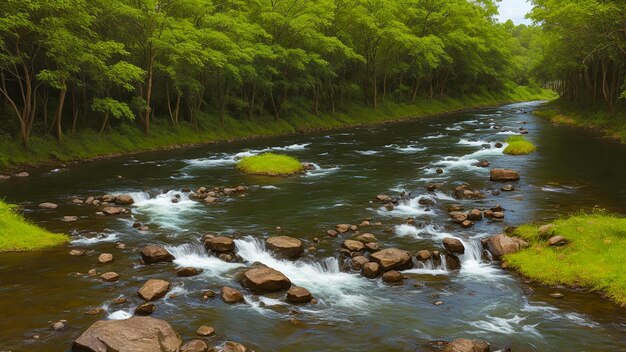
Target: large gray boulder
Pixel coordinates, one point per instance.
(135, 334)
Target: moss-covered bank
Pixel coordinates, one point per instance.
(129, 139)
(611, 125)
(16, 234)
(593, 257)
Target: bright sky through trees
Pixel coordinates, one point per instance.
(514, 10)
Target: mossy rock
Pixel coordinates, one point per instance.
(518, 145)
(270, 164)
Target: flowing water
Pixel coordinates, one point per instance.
(572, 170)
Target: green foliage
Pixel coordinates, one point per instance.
(593, 258)
(270, 164)
(518, 145)
(16, 234)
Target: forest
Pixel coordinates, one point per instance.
(70, 66)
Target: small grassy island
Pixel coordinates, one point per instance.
(593, 255)
(270, 164)
(16, 234)
(518, 145)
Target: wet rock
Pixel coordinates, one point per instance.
(497, 215)
(22, 174)
(343, 228)
(209, 200)
(503, 175)
(455, 208)
(384, 198)
(59, 325)
(507, 188)
(467, 224)
(227, 257)
(358, 262)
(474, 215)
(155, 254)
(439, 171)
(464, 192)
(220, 244)
(332, 233)
(392, 259)
(154, 289)
(285, 246)
(92, 272)
(353, 246)
(4, 177)
(483, 163)
(120, 300)
(109, 198)
(458, 216)
(264, 279)
(438, 303)
(467, 345)
(390, 206)
(110, 276)
(392, 276)
(89, 200)
(124, 199)
(557, 241)
(143, 334)
(453, 262)
(145, 309)
(105, 258)
(69, 218)
(371, 270)
(187, 271)
(231, 295)
(48, 205)
(557, 295)
(454, 245)
(230, 346)
(95, 311)
(113, 211)
(500, 245)
(195, 346)
(299, 295)
(431, 187)
(497, 208)
(77, 252)
(545, 230)
(423, 255)
(77, 201)
(498, 145)
(372, 247)
(353, 228)
(365, 223)
(205, 331)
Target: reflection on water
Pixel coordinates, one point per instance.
(571, 170)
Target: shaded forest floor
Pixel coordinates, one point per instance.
(128, 138)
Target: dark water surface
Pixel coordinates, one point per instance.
(572, 170)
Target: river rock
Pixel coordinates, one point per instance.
(507, 188)
(187, 271)
(467, 224)
(332, 233)
(145, 309)
(454, 245)
(285, 246)
(231, 295)
(124, 199)
(458, 216)
(358, 262)
(500, 245)
(265, 279)
(371, 270)
(4, 177)
(503, 175)
(483, 163)
(113, 210)
(22, 174)
(105, 258)
(353, 246)
(69, 218)
(384, 198)
(155, 254)
(48, 205)
(195, 346)
(557, 241)
(205, 331)
(474, 215)
(230, 346)
(154, 289)
(423, 255)
(143, 334)
(299, 295)
(343, 228)
(392, 276)
(77, 252)
(453, 262)
(392, 259)
(220, 244)
(110, 276)
(372, 247)
(366, 238)
(467, 345)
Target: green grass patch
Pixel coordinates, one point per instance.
(518, 145)
(17, 234)
(593, 258)
(270, 164)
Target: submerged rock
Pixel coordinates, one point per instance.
(187, 271)
(205, 331)
(48, 205)
(503, 175)
(265, 279)
(145, 309)
(113, 210)
(285, 246)
(467, 345)
(230, 346)
(143, 334)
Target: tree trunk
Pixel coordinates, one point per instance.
(59, 115)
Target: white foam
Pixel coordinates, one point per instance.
(405, 208)
(320, 171)
(109, 237)
(367, 152)
(508, 133)
(324, 279)
(409, 149)
(195, 256)
(163, 211)
(230, 159)
(120, 315)
(507, 326)
(436, 136)
(270, 187)
(478, 143)
(454, 128)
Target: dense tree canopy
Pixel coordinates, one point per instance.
(67, 65)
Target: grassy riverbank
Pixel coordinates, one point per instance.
(270, 164)
(596, 118)
(16, 234)
(128, 138)
(592, 258)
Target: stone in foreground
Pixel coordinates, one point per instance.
(155, 254)
(154, 289)
(264, 279)
(467, 345)
(285, 246)
(143, 334)
(231, 295)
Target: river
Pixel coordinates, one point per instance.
(572, 170)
